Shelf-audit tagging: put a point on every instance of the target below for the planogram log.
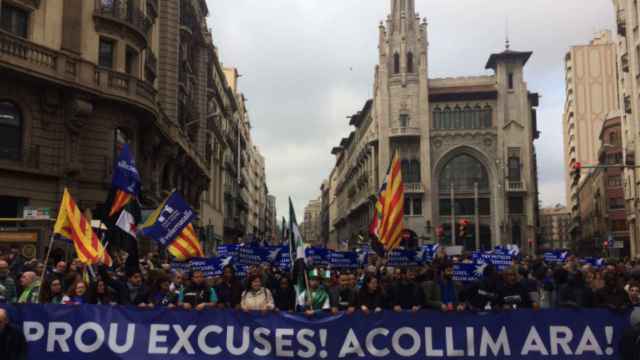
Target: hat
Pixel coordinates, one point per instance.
(313, 273)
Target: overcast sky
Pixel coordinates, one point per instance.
(308, 64)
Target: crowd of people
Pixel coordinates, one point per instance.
(529, 283)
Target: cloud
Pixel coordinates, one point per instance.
(307, 64)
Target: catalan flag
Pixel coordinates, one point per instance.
(72, 224)
(172, 226)
(388, 219)
(126, 180)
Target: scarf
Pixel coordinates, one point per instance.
(26, 296)
(318, 298)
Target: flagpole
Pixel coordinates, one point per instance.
(308, 290)
(46, 258)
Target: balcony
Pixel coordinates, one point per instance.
(405, 131)
(413, 188)
(151, 62)
(119, 14)
(515, 186)
(29, 160)
(21, 55)
(621, 22)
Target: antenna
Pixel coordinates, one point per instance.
(507, 44)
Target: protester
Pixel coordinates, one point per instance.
(99, 293)
(634, 294)
(315, 298)
(161, 294)
(257, 297)
(449, 291)
(406, 294)
(31, 288)
(51, 292)
(7, 282)
(576, 293)
(198, 295)
(371, 297)
(612, 295)
(284, 295)
(230, 290)
(130, 292)
(513, 293)
(630, 342)
(13, 345)
(343, 296)
(484, 294)
(76, 295)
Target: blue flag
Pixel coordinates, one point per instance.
(125, 173)
(167, 222)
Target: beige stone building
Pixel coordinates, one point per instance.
(244, 174)
(312, 221)
(628, 66)
(463, 141)
(555, 223)
(591, 94)
(86, 77)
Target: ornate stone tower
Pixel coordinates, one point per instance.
(402, 102)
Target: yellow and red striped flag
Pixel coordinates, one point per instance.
(186, 245)
(388, 221)
(171, 224)
(72, 224)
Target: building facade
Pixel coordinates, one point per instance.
(601, 198)
(555, 223)
(466, 144)
(591, 93)
(271, 222)
(628, 65)
(310, 228)
(90, 76)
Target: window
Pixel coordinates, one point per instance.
(10, 131)
(477, 111)
(613, 138)
(516, 205)
(407, 207)
(614, 181)
(465, 207)
(464, 171)
(396, 63)
(457, 118)
(404, 120)
(514, 168)
(410, 62)
(446, 118)
(487, 115)
(14, 20)
(410, 171)
(437, 118)
(131, 62)
(467, 117)
(417, 206)
(106, 53)
(510, 80)
(616, 203)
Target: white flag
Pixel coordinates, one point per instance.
(127, 223)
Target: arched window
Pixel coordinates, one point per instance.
(410, 62)
(396, 63)
(487, 114)
(437, 118)
(457, 118)
(468, 117)
(446, 118)
(477, 111)
(463, 172)
(11, 124)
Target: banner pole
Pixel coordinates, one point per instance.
(46, 258)
(308, 290)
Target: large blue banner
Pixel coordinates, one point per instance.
(101, 332)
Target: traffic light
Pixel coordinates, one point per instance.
(576, 172)
(463, 227)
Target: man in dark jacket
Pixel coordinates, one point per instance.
(612, 295)
(131, 292)
(230, 290)
(514, 294)
(405, 294)
(13, 345)
(575, 294)
(484, 294)
(343, 297)
(198, 295)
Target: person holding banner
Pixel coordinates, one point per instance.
(131, 292)
(513, 294)
(405, 294)
(257, 297)
(13, 345)
(198, 295)
(76, 294)
(343, 296)
(161, 294)
(314, 298)
(371, 296)
(449, 290)
(285, 295)
(230, 290)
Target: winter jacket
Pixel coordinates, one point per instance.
(257, 300)
(13, 345)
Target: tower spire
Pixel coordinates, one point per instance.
(507, 43)
(402, 11)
